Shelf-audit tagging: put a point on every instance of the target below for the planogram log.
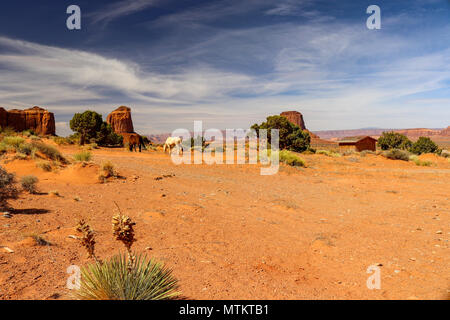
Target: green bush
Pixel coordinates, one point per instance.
(329, 153)
(44, 165)
(394, 140)
(7, 188)
(29, 183)
(424, 145)
(14, 142)
(396, 154)
(291, 136)
(291, 159)
(83, 156)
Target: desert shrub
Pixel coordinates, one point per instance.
(14, 142)
(7, 187)
(108, 169)
(29, 183)
(291, 136)
(83, 156)
(445, 153)
(62, 141)
(7, 131)
(49, 151)
(107, 137)
(394, 140)
(291, 159)
(44, 165)
(127, 276)
(329, 153)
(25, 148)
(20, 156)
(365, 153)
(424, 145)
(396, 154)
(35, 138)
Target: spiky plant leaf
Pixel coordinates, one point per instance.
(113, 280)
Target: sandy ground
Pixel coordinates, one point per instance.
(230, 233)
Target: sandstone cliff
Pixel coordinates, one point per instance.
(120, 120)
(37, 119)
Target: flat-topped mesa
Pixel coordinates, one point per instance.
(296, 118)
(120, 120)
(41, 121)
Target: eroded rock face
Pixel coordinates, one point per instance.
(295, 118)
(39, 120)
(3, 118)
(120, 120)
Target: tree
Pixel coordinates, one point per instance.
(87, 124)
(107, 137)
(291, 136)
(424, 145)
(394, 140)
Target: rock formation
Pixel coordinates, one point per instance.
(120, 120)
(296, 118)
(37, 119)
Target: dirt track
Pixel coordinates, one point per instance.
(230, 233)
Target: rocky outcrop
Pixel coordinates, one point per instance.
(41, 121)
(120, 120)
(295, 118)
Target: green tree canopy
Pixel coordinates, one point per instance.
(424, 145)
(291, 136)
(394, 140)
(87, 124)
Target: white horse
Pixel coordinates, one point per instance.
(173, 142)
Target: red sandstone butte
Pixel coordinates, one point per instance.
(296, 118)
(120, 120)
(39, 120)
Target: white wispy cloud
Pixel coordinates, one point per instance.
(121, 9)
(340, 75)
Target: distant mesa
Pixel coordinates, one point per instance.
(296, 118)
(41, 121)
(446, 132)
(120, 120)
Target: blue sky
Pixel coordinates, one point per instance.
(230, 63)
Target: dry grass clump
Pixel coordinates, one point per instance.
(397, 154)
(329, 153)
(7, 187)
(44, 165)
(55, 193)
(49, 151)
(83, 156)
(124, 276)
(419, 162)
(29, 183)
(366, 152)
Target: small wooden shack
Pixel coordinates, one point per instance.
(359, 143)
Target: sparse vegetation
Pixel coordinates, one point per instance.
(40, 240)
(50, 152)
(124, 276)
(397, 154)
(108, 169)
(7, 187)
(84, 156)
(55, 193)
(29, 183)
(291, 159)
(329, 153)
(394, 140)
(424, 145)
(419, 162)
(366, 152)
(44, 165)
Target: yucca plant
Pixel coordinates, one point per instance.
(128, 276)
(113, 280)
